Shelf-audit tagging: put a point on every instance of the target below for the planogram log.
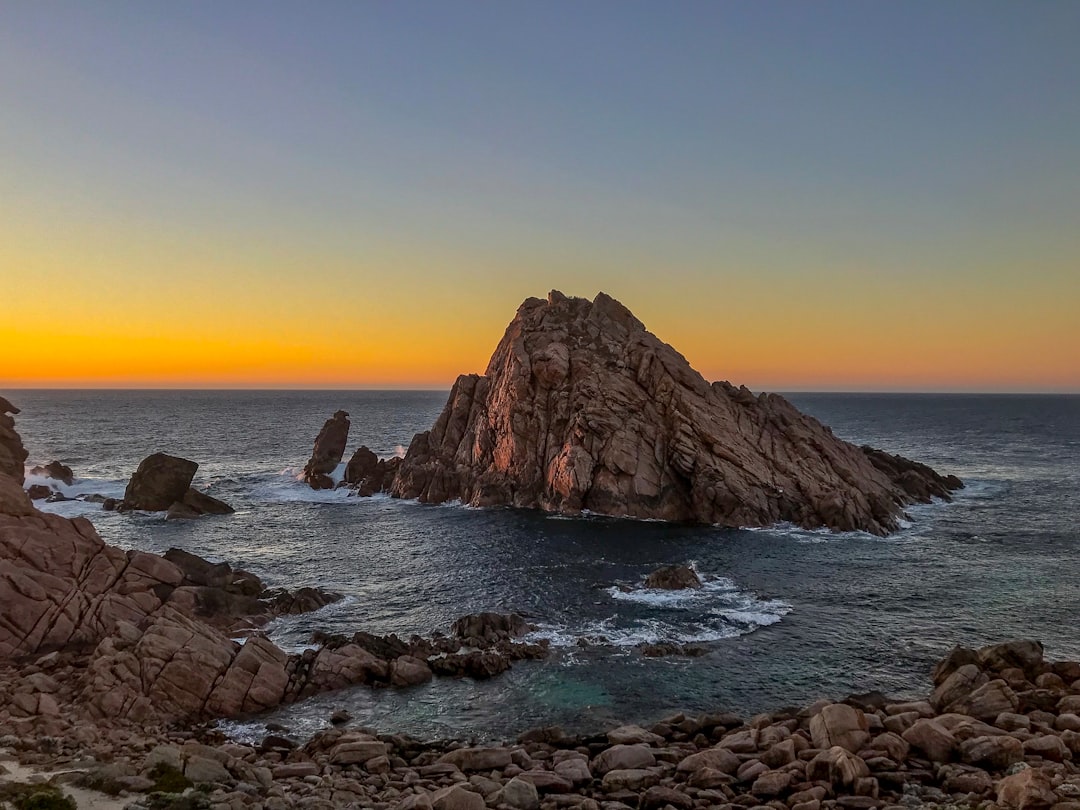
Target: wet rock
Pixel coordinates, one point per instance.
(673, 578)
(327, 453)
(38, 492)
(490, 628)
(56, 471)
(160, 481)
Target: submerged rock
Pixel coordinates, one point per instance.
(673, 578)
(583, 409)
(57, 471)
(327, 453)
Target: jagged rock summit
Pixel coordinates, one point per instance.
(581, 408)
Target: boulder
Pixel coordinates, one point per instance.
(839, 767)
(160, 481)
(205, 504)
(842, 725)
(457, 797)
(328, 450)
(477, 759)
(490, 628)
(932, 738)
(1024, 655)
(581, 408)
(623, 757)
(520, 794)
(987, 701)
(673, 578)
(409, 671)
(38, 492)
(1029, 789)
(995, 753)
(719, 759)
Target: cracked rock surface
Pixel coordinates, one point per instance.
(581, 408)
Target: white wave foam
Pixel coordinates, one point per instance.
(728, 612)
(288, 488)
(78, 489)
(660, 598)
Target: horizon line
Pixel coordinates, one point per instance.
(446, 388)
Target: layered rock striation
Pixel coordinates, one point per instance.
(582, 409)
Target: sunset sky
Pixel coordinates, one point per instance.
(796, 195)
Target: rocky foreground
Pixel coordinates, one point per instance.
(582, 409)
(1000, 729)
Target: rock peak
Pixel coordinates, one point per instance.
(581, 408)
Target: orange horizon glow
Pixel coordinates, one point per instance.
(798, 347)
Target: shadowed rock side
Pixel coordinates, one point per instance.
(327, 453)
(582, 409)
(163, 483)
(12, 452)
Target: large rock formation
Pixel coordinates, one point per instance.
(582, 409)
(328, 450)
(163, 483)
(12, 452)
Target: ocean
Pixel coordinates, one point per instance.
(788, 615)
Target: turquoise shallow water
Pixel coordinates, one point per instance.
(789, 615)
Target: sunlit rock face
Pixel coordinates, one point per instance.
(582, 409)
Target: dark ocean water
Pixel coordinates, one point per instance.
(790, 615)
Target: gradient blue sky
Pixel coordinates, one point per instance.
(797, 195)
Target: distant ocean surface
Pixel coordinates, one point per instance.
(790, 615)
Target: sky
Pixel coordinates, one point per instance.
(797, 196)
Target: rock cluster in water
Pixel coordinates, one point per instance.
(582, 409)
(147, 637)
(162, 483)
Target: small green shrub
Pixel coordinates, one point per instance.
(41, 796)
(168, 779)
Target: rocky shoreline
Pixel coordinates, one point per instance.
(115, 664)
(581, 409)
(1001, 728)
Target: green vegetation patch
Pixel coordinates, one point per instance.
(168, 779)
(39, 796)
